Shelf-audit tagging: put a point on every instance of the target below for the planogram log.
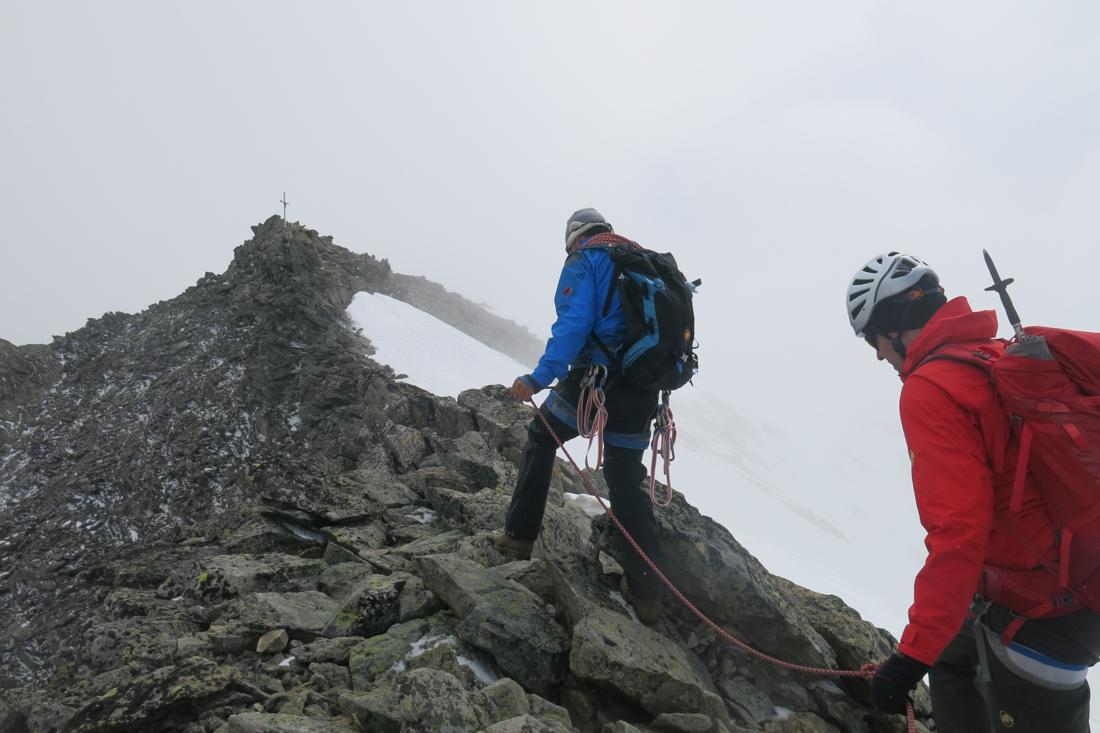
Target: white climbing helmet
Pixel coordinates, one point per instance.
(884, 277)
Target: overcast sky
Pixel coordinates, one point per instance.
(773, 146)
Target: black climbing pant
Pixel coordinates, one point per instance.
(1015, 696)
(629, 413)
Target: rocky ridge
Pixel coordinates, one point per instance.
(221, 515)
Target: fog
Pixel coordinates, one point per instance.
(773, 147)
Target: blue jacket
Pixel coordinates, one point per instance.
(579, 302)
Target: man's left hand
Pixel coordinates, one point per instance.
(521, 391)
(894, 681)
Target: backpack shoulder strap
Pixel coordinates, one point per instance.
(973, 354)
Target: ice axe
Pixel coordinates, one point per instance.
(1000, 287)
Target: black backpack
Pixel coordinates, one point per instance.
(659, 349)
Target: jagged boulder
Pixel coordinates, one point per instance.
(528, 724)
(501, 617)
(611, 650)
(727, 583)
(304, 615)
(500, 419)
(282, 723)
(237, 575)
(418, 701)
(171, 693)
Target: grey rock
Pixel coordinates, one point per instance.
(150, 699)
(800, 723)
(236, 575)
(407, 447)
(372, 658)
(335, 650)
(855, 641)
(431, 545)
(443, 656)
(729, 584)
(272, 642)
(683, 722)
(282, 723)
(483, 511)
(326, 675)
(378, 487)
(501, 617)
(500, 419)
(336, 554)
(549, 712)
(532, 575)
(644, 666)
(359, 539)
(621, 726)
(414, 600)
(504, 699)
(528, 724)
(571, 559)
(418, 701)
(304, 615)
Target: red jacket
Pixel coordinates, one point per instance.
(963, 455)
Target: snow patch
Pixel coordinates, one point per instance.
(481, 671)
(423, 515)
(424, 644)
(432, 354)
(586, 502)
(618, 598)
(831, 687)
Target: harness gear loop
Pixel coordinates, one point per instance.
(592, 412)
(866, 672)
(663, 444)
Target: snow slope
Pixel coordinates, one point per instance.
(431, 354)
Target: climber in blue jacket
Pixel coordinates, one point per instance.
(589, 328)
(579, 301)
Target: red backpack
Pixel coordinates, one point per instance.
(1048, 380)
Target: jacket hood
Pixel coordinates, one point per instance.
(954, 323)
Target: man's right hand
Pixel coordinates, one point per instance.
(521, 391)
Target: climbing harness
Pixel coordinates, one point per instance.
(867, 672)
(664, 445)
(592, 412)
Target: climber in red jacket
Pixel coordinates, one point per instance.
(963, 455)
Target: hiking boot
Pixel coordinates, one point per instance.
(648, 609)
(514, 546)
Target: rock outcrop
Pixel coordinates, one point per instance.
(220, 515)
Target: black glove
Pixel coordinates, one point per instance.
(894, 681)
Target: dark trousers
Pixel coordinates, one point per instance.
(629, 413)
(963, 702)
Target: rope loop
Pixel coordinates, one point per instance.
(663, 445)
(592, 412)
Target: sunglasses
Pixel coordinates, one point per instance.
(871, 337)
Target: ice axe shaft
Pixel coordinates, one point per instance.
(1000, 287)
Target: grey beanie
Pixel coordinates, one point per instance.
(582, 221)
